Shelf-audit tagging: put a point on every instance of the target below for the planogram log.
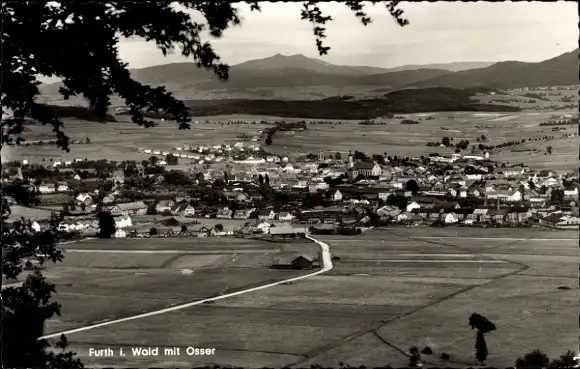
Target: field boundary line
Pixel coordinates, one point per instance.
(374, 329)
(326, 266)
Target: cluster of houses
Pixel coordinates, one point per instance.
(204, 154)
(458, 189)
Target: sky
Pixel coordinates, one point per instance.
(441, 32)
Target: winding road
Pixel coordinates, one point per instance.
(326, 266)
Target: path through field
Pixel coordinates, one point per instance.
(326, 266)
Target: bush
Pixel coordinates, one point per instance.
(533, 360)
(444, 356)
(427, 351)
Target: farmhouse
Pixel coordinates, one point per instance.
(164, 206)
(131, 208)
(292, 260)
(224, 213)
(47, 188)
(123, 221)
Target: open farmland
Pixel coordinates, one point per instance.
(394, 138)
(101, 281)
(391, 289)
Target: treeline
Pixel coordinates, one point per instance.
(79, 112)
(566, 122)
(401, 102)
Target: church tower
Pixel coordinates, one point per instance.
(350, 164)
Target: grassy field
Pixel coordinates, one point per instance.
(391, 289)
(122, 281)
(394, 138)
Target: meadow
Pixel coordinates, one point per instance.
(108, 279)
(121, 140)
(390, 290)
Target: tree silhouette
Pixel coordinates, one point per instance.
(40, 39)
(337, 156)
(267, 180)
(260, 180)
(483, 326)
(412, 186)
(218, 227)
(533, 360)
(566, 361)
(549, 150)
(107, 225)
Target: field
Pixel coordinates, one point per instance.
(101, 280)
(121, 143)
(391, 289)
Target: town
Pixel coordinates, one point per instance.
(275, 195)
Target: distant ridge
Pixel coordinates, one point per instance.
(280, 71)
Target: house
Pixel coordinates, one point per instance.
(292, 260)
(388, 211)
(35, 226)
(123, 221)
(188, 211)
(110, 198)
(243, 213)
(47, 188)
(264, 227)
(337, 196)
(285, 216)
(120, 233)
(84, 198)
(266, 215)
(118, 177)
(164, 206)
(315, 186)
(68, 225)
(131, 208)
(199, 231)
(412, 205)
(403, 217)
(237, 196)
(62, 187)
(224, 213)
(450, 218)
(571, 191)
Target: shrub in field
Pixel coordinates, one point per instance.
(533, 360)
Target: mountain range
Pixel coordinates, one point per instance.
(280, 72)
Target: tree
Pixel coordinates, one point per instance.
(414, 357)
(37, 41)
(183, 228)
(87, 140)
(152, 231)
(153, 160)
(338, 156)
(65, 208)
(412, 186)
(483, 326)
(483, 138)
(218, 227)
(267, 180)
(171, 159)
(107, 225)
(260, 180)
(549, 150)
(446, 141)
(268, 141)
(567, 361)
(83, 206)
(533, 360)
(226, 177)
